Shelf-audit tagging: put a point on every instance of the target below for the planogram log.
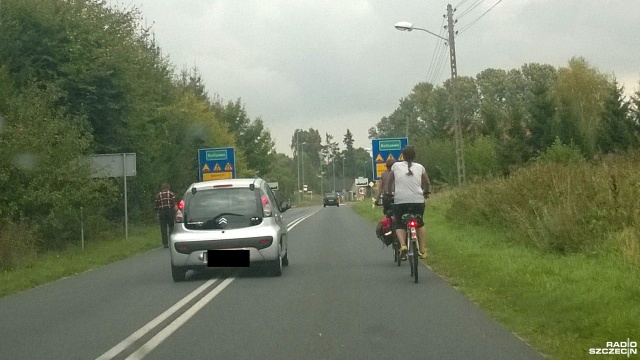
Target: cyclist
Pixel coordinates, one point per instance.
(384, 190)
(410, 182)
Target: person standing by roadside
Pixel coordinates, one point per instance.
(165, 207)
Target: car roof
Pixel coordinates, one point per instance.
(241, 183)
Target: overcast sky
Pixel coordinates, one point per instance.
(337, 65)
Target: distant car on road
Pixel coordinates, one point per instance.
(331, 199)
(227, 223)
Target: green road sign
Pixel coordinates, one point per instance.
(389, 145)
(214, 155)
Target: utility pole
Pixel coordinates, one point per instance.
(298, 158)
(459, 141)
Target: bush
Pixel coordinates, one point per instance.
(561, 206)
(439, 156)
(560, 153)
(17, 245)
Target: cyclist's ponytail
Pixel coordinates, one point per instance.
(408, 153)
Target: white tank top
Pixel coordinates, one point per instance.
(408, 188)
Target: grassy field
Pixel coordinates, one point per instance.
(53, 266)
(562, 305)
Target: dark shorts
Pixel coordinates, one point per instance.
(413, 208)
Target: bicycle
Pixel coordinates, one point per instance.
(412, 242)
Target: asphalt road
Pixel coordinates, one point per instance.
(341, 297)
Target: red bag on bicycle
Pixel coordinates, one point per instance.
(384, 231)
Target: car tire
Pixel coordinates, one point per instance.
(275, 266)
(178, 274)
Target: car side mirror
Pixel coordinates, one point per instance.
(284, 206)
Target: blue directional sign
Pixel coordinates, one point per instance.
(383, 149)
(216, 163)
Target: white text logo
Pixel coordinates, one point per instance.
(617, 348)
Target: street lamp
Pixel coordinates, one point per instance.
(343, 189)
(302, 145)
(333, 163)
(406, 26)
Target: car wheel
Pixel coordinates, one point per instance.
(178, 274)
(285, 259)
(275, 266)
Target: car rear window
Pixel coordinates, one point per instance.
(223, 208)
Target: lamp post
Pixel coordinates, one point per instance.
(333, 163)
(406, 26)
(343, 189)
(302, 145)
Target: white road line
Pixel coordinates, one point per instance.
(167, 331)
(299, 220)
(153, 323)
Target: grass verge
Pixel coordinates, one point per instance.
(52, 266)
(561, 305)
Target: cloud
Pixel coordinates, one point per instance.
(333, 65)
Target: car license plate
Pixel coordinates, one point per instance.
(227, 258)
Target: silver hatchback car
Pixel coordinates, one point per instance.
(228, 223)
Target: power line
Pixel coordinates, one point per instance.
(443, 63)
(480, 17)
(433, 64)
(471, 8)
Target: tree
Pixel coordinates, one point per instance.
(617, 129)
(330, 153)
(349, 156)
(252, 138)
(492, 84)
(543, 117)
(635, 112)
(283, 171)
(581, 90)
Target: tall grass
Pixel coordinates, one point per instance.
(563, 207)
(562, 305)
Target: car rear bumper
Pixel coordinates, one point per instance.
(198, 259)
(191, 254)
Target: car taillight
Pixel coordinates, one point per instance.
(181, 205)
(266, 206)
(179, 217)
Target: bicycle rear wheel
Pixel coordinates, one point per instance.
(414, 261)
(396, 255)
(411, 257)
